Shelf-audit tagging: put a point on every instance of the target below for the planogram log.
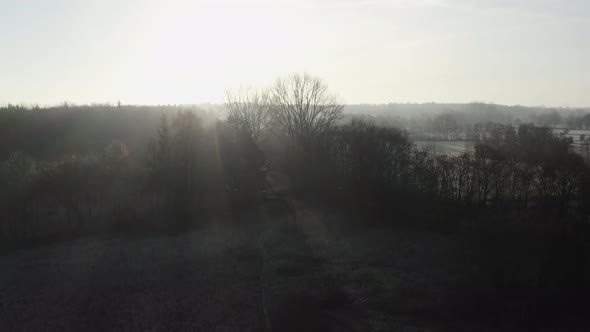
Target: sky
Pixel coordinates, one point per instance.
(526, 52)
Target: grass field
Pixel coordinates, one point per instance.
(310, 276)
(445, 147)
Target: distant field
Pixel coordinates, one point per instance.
(458, 147)
(575, 134)
(445, 147)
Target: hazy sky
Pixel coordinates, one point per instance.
(529, 52)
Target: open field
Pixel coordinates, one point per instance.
(305, 277)
(458, 147)
(315, 275)
(576, 135)
(445, 147)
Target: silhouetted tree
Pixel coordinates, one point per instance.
(241, 161)
(249, 110)
(303, 107)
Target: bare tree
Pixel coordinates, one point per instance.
(303, 107)
(248, 109)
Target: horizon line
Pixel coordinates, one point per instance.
(28, 105)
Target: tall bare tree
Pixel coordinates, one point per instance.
(303, 107)
(249, 110)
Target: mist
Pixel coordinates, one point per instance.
(294, 166)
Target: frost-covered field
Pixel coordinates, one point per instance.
(445, 147)
(307, 276)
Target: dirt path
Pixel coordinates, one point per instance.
(300, 294)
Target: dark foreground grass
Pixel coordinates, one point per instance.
(320, 274)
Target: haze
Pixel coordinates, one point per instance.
(174, 52)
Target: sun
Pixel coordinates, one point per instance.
(197, 50)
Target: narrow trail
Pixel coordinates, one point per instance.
(299, 292)
(273, 185)
(263, 296)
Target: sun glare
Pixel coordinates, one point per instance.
(199, 50)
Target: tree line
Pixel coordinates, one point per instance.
(195, 168)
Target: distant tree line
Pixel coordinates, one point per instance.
(434, 120)
(510, 168)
